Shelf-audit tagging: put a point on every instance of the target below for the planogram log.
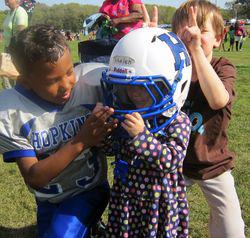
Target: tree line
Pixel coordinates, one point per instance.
(70, 16)
(239, 8)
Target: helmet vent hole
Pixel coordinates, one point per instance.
(153, 39)
(183, 85)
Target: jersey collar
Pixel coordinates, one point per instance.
(47, 106)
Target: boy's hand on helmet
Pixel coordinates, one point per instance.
(133, 124)
(99, 106)
(96, 127)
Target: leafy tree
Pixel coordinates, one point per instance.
(165, 13)
(242, 1)
(227, 14)
(64, 16)
(71, 16)
(241, 7)
(2, 16)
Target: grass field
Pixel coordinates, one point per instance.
(17, 207)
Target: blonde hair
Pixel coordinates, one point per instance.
(205, 10)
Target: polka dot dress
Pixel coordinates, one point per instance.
(151, 202)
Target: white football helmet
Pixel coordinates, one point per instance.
(155, 59)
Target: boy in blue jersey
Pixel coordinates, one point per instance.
(47, 127)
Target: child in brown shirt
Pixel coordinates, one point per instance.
(209, 161)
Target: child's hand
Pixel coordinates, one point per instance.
(146, 18)
(104, 17)
(98, 107)
(133, 124)
(191, 35)
(96, 127)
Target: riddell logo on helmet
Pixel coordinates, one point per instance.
(124, 60)
(121, 70)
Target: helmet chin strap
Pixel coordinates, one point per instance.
(147, 124)
(155, 127)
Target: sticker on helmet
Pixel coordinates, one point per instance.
(123, 70)
(123, 60)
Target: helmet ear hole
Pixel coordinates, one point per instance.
(183, 85)
(153, 39)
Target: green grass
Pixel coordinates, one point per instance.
(17, 207)
(74, 50)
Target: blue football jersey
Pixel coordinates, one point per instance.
(33, 127)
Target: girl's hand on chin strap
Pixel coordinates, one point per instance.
(133, 124)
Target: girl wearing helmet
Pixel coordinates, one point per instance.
(147, 84)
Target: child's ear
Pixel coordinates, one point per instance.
(218, 40)
(25, 80)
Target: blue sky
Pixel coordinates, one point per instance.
(174, 3)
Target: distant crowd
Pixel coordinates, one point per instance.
(236, 35)
(71, 36)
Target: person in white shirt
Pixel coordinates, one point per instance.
(15, 21)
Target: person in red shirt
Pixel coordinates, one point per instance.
(239, 33)
(125, 15)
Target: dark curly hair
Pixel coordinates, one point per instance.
(36, 43)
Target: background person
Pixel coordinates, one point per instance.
(15, 21)
(125, 15)
(244, 35)
(238, 31)
(209, 161)
(231, 38)
(224, 41)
